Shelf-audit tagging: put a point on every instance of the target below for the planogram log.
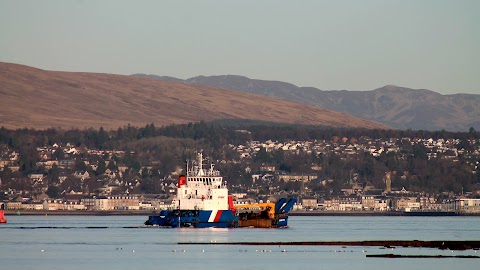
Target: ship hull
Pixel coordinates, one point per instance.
(279, 221)
(194, 219)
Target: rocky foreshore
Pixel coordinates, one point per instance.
(451, 245)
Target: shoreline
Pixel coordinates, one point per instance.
(77, 213)
(377, 213)
(291, 213)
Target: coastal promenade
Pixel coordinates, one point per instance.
(79, 212)
(291, 213)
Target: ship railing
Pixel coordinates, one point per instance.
(213, 173)
(207, 196)
(205, 173)
(246, 210)
(169, 208)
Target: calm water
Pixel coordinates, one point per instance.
(121, 242)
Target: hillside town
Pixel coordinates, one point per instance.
(76, 178)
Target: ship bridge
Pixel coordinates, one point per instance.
(197, 176)
(202, 188)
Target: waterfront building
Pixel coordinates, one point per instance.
(463, 205)
(117, 203)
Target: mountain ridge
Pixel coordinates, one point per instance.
(396, 106)
(36, 98)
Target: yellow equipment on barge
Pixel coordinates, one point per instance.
(264, 215)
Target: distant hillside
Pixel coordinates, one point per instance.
(36, 98)
(395, 106)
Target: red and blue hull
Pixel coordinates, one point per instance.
(194, 218)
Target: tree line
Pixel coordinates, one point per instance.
(164, 149)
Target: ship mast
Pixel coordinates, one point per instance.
(200, 164)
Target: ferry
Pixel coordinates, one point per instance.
(202, 200)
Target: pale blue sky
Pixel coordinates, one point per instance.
(331, 45)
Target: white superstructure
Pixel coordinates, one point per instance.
(203, 189)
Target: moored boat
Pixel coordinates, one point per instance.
(2, 213)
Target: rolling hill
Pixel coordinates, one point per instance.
(391, 105)
(35, 98)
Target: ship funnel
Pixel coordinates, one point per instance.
(230, 204)
(182, 180)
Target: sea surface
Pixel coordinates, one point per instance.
(122, 242)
